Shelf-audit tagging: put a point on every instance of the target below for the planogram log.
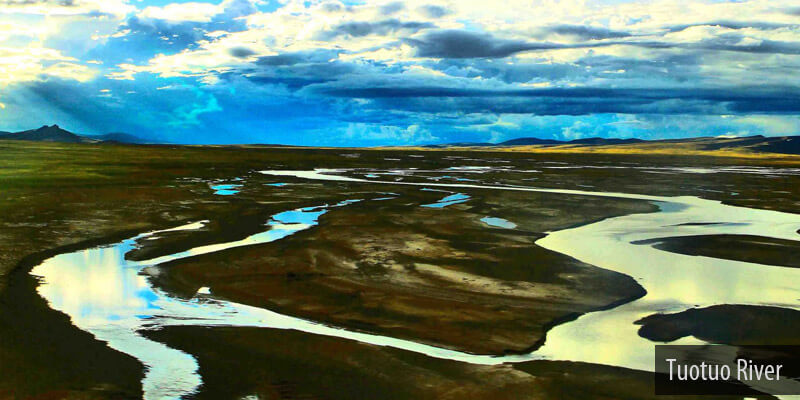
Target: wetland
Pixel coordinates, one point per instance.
(228, 272)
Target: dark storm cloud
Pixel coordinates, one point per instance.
(300, 57)
(297, 70)
(360, 28)
(283, 59)
(464, 44)
(290, 82)
(577, 101)
(241, 52)
(587, 32)
(432, 11)
(326, 71)
(793, 11)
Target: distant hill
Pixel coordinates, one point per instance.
(46, 133)
(746, 144)
(54, 133)
(604, 141)
(532, 141)
(761, 144)
(528, 141)
(460, 144)
(119, 137)
(719, 145)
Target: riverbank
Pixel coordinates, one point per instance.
(239, 362)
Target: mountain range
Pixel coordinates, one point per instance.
(54, 133)
(752, 144)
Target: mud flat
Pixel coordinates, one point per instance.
(748, 248)
(674, 282)
(271, 364)
(436, 276)
(726, 324)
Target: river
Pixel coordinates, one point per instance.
(112, 298)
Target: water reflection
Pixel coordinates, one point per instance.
(674, 282)
(228, 189)
(498, 222)
(104, 294)
(107, 295)
(449, 200)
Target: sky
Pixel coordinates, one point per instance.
(408, 72)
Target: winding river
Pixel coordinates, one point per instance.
(112, 297)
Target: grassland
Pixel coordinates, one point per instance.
(769, 150)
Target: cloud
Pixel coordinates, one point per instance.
(193, 12)
(577, 101)
(392, 8)
(388, 134)
(584, 32)
(300, 57)
(37, 63)
(385, 27)
(458, 70)
(331, 7)
(241, 52)
(465, 44)
(433, 11)
(199, 12)
(95, 8)
(771, 124)
(20, 3)
(736, 25)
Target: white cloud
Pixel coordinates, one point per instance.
(412, 134)
(198, 11)
(63, 8)
(194, 12)
(772, 124)
(29, 64)
(298, 24)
